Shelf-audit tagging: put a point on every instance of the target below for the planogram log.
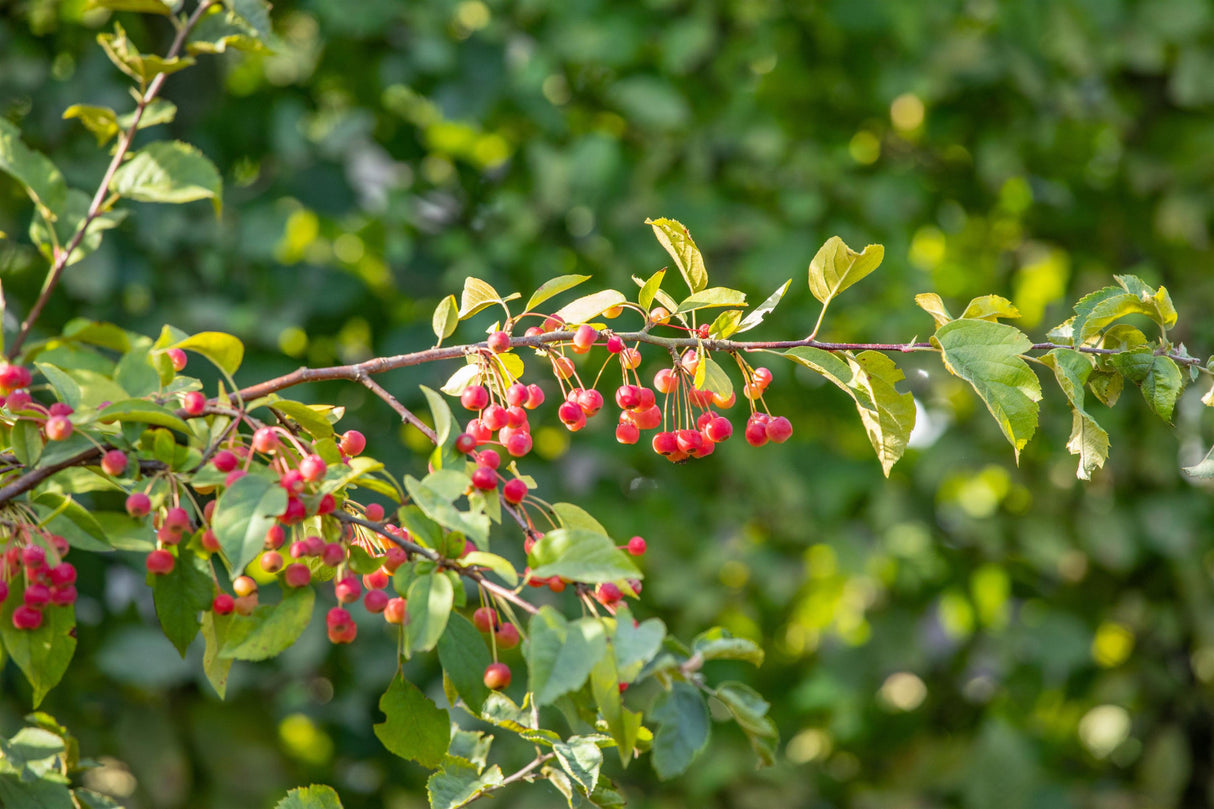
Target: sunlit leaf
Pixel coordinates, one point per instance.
(169, 171)
(682, 248)
(553, 286)
(836, 266)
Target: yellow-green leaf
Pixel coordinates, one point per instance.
(591, 306)
(169, 171)
(836, 267)
(989, 356)
(224, 350)
(991, 307)
(931, 303)
(682, 248)
(553, 286)
(446, 318)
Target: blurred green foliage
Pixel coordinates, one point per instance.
(969, 633)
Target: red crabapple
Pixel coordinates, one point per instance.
(514, 491)
(160, 562)
(353, 442)
(497, 676)
(194, 403)
(506, 636)
(474, 397)
(113, 463)
(498, 342)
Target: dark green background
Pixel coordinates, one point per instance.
(1062, 633)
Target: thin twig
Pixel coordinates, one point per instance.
(99, 197)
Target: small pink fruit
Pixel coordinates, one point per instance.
(177, 520)
(160, 562)
(194, 403)
(223, 604)
(627, 396)
(353, 442)
(275, 537)
(312, 468)
(608, 593)
(518, 444)
(377, 579)
(516, 395)
(665, 380)
(514, 491)
(113, 463)
(591, 401)
(271, 561)
(484, 478)
(348, 589)
(62, 574)
(265, 440)
(475, 397)
(225, 461)
(762, 377)
(535, 397)
(756, 434)
(333, 554)
(498, 342)
(326, 504)
(244, 585)
(27, 618)
(719, 429)
(375, 512)
(210, 542)
(494, 417)
(178, 358)
(64, 596)
(296, 574)
(376, 601)
(33, 557)
(484, 619)
(465, 443)
(497, 676)
(37, 596)
(295, 511)
(584, 338)
(636, 546)
(614, 344)
(395, 612)
(627, 433)
(507, 636)
(489, 459)
(13, 377)
(779, 429)
(57, 428)
(138, 505)
(665, 443)
(338, 617)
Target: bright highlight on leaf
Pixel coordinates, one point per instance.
(682, 248)
(169, 171)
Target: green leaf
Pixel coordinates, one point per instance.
(181, 595)
(1203, 469)
(836, 267)
(678, 243)
(553, 286)
(588, 308)
(214, 633)
(623, 724)
(430, 600)
(27, 442)
(169, 171)
(634, 646)
(649, 288)
(316, 796)
(1096, 311)
(256, 14)
(580, 555)
(869, 378)
(441, 413)
(990, 307)
(499, 565)
(141, 411)
(470, 745)
(68, 220)
(43, 793)
(414, 727)
(931, 303)
(561, 654)
(683, 730)
(271, 629)
(224, 350)
(42, 654)
(477, 295)
(749, 710)
(139, 66)
(725, 325)
(216, 33)
(143, 6)
(1158, 378)
(570, 515)
(438, 506)
(989, 356)
(458, 783)
(306, 417)
(446, 318)
(37, 175)
(756, 315)
(1088, 439)
(464, 658)
(501, 711)
(68, 509)
(713, 296)
(581, 758)
(719, 644)
(245, 512)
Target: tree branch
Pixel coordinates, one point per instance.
(99, 197)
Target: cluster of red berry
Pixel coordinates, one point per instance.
(53, 421)
(47, 579)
